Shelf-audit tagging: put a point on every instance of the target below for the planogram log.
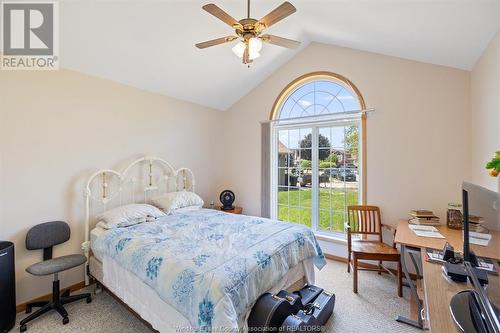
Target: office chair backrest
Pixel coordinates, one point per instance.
(46, 235)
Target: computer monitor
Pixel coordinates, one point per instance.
(484, 203)
(475, 310)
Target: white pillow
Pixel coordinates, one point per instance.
(127, 215)
(186, 209)
(169, 202)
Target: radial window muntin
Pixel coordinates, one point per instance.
(307, 88)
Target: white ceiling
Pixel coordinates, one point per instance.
(149, 44)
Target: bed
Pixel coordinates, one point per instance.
(192, 270)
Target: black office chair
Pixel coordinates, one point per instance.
(45, 236)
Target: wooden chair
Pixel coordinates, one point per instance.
(365, 221)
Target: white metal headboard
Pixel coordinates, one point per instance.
(137, 182)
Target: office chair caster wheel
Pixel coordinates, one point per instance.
(89, 300)
(28, 309)
(65, 320)
(23, 328)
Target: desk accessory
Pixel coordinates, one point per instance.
(448, 252)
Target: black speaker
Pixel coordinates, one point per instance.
(7, 287)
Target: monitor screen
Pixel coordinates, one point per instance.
(485, 204)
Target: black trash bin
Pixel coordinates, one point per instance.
(7, 287)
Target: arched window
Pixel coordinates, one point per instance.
(318, 98)
(318, 151)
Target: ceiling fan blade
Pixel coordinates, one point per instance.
(221, 14)
(280, 41)
(282, 11)
(217, 41)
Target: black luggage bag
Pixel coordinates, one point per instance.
(271, 310)
(314, 315)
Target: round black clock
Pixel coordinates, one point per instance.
(227, 198)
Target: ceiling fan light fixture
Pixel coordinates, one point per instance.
(253, 55)
(255, 45)
(239, 49)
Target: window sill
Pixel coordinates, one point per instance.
(331, 238)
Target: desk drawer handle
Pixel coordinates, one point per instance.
(422, 314)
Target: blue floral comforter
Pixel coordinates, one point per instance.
(209, 265)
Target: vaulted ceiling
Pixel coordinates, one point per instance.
(149, 44)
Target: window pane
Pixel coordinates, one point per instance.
(325, 133)
(324, 198)
(283, 138)
(294, 135)
(305, 198)
(303, 90)
(351, 144)
(338, 221)
(338, 137)
(323, 179)
(306, 102)
(349, 101)
(294, 196)
(306, 216)
(296, 111)
(337, 198)
(283, 158)
(283, 176)
(294, 213)
(305, 138)
(335, 106)
(306, 154)
(332, 88)
(352, 196)
(282, 195)
(324, 220)
(282, 213)
(323, 155)
(294, 159)
(287, 108)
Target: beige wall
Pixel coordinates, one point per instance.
(58, 127)
(418, 138)
(485, 97)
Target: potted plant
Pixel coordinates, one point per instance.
(494, 167)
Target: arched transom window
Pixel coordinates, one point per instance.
(317, 98)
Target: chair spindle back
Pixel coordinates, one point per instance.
(364, 220)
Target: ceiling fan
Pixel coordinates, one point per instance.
(249, 31)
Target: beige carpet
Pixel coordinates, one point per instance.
(373, 309)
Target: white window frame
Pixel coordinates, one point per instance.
(314, 125)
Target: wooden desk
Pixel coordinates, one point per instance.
(404, 235)
(436, 289)
(438, 293)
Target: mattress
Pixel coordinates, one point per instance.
(145, 301)
(96, 232)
